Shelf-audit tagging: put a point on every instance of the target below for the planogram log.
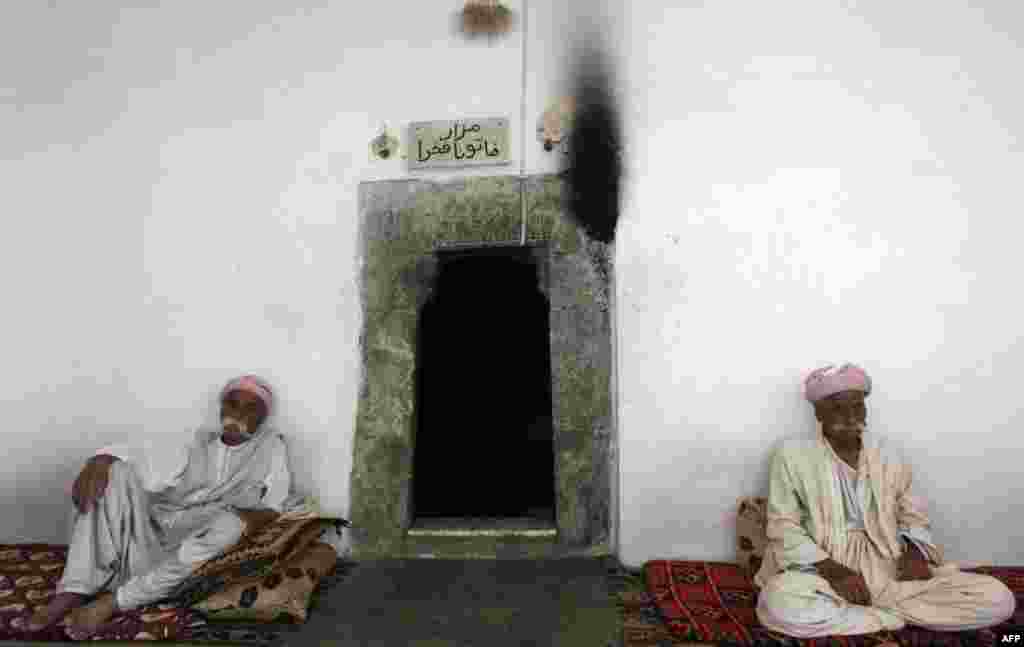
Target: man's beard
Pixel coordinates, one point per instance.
(235, 427)
(847, 434)
(859, 428)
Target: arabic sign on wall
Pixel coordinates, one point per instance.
(462, 142)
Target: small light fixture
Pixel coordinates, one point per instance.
(556, 123)
(383, 146)
(485, 18)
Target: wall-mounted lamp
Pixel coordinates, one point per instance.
(556, 123)
(384, 146)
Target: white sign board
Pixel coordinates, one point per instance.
(461, 142)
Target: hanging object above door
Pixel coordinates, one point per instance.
(485, 18)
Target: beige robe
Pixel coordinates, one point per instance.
(807, 523)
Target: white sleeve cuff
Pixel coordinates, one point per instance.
(918, 533)
(121, 604)
(124, 452)
(921, 538)
(807, 554)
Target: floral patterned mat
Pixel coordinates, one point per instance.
(28, 578)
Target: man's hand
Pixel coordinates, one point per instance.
(848, 583)
(913, 565)
(91, 483)
(255, 519)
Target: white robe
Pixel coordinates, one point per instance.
(169, 507)
(185, 471)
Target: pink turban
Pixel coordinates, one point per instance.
(250, 384)
(830, 380)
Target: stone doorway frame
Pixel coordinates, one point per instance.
(402, 224)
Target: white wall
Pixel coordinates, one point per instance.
(179, 193)
(808, 182)
(814, 182)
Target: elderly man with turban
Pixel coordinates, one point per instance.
(146, 515)
(849, 546)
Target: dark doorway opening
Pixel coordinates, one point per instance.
(484, 435)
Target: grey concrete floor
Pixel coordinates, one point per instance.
(564, 602)
(466, 603)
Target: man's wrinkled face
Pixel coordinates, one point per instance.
(241, 414)
(842, 415)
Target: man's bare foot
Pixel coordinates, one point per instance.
(89, 619)
(55, 610)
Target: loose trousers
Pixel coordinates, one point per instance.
(804, 605)
(118, 545)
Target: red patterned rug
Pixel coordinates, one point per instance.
(714, 602)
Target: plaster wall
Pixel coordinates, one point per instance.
(808, 181)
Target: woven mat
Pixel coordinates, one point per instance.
(687, 602)
(30, 574)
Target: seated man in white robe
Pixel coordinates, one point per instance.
(144, 516)
(849, 547)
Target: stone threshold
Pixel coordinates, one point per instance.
(482, 527)
(484, 538)
(480, 546)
